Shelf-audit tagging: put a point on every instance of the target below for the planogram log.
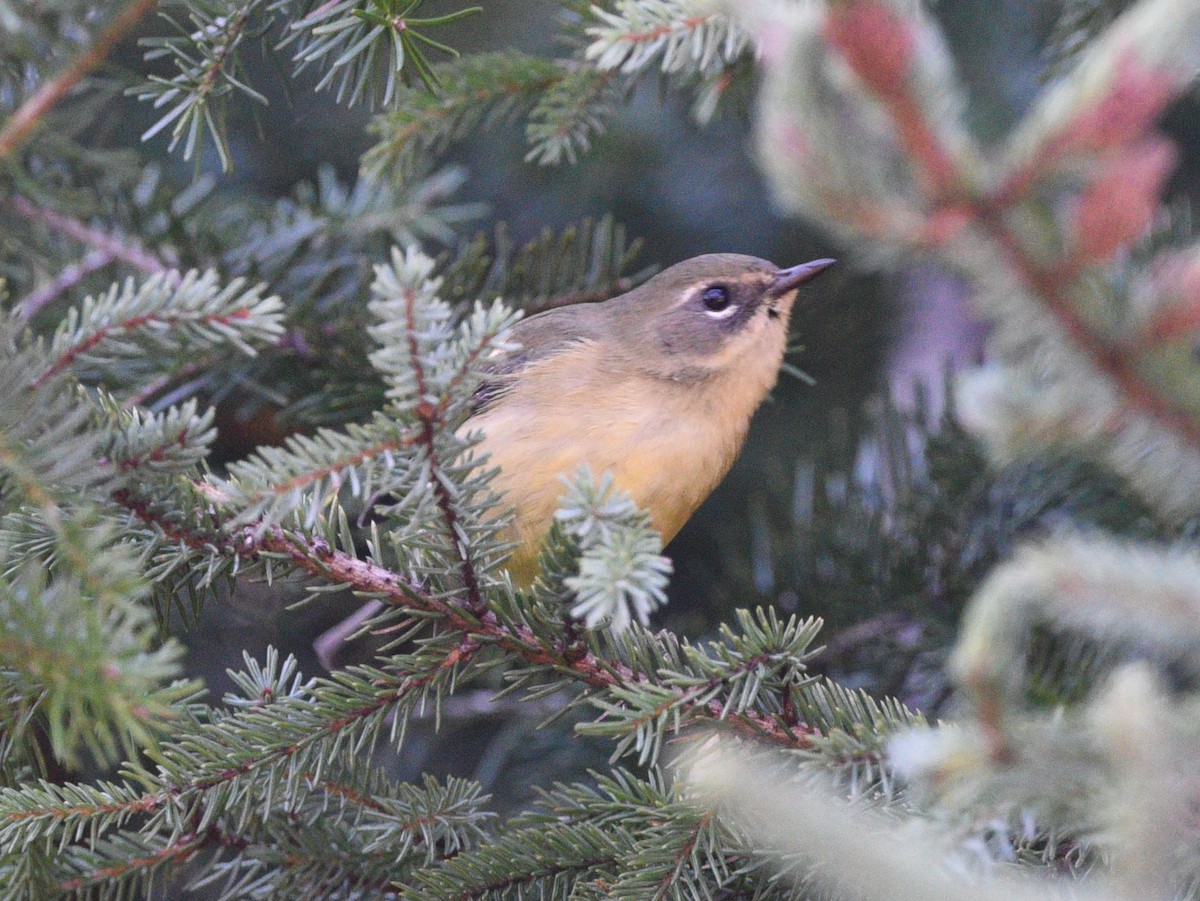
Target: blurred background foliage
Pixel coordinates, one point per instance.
(857, 498)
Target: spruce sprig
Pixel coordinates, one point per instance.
(371, 47)
(134, 332)
(475, 92)
(205, 54)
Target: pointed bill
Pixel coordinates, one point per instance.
(789, 279)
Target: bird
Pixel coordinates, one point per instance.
(656, 386)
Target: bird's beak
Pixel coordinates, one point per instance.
(789, 279)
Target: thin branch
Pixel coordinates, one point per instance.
(881, 48)
(429, 419)
(216, 65)
(684, 854)
(39, 298)
(654, 33)
(22, 123)
(429, 120)
(126, 251)
(131, 324)
(313, 476)
(336, 567)
(366, 578)
(545, 869)
(181, 849)
(151, 389)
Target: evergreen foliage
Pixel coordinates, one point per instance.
(137, 310)
(1089, 321)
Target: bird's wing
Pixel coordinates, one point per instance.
(540, 337)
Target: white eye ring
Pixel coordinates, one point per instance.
(721, 314)
(718, 303)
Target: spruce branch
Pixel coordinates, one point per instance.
(587, 261)
(205, 54)
(475, 92)
(283, 740)
(175, 440)
(881, 48)
(431, 364)
(429, 369)
(77, 636)
(621, 575)
(356, 832)
(560, 127)
(535, 854)
(508, 633)
(308, 472)
(68, 277)
(848, 851)
(865, 74)
(133, 330)
(1094, 124)
(102, 685)
(1052, 289)
(1087, 585)
(632, 838)
(47, 453)
(1116, 91)
(231, 758)
(317, 248)
(350, 826)
(371, 47)
(680, 36)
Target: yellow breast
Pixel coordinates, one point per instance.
(667, 444)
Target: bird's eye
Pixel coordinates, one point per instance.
(715, 298)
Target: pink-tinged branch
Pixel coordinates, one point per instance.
(430, 415)
(452, 104)
(1177, 281)
(366, 577)
(21, 124)
(313, 476)
(1119, 206)
(316, 558)
(143, 804)
(39, 298)
(1112, 360)
(125, 250)
(877, 43)
(881, 48)
(155, 454)
(684, 854)
(180, 849)
(1135, 98)
(661, 31)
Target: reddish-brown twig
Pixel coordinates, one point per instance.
(21, 124)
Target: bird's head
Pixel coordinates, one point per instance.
(711, 314)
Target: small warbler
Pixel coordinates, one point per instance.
(656, 386)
